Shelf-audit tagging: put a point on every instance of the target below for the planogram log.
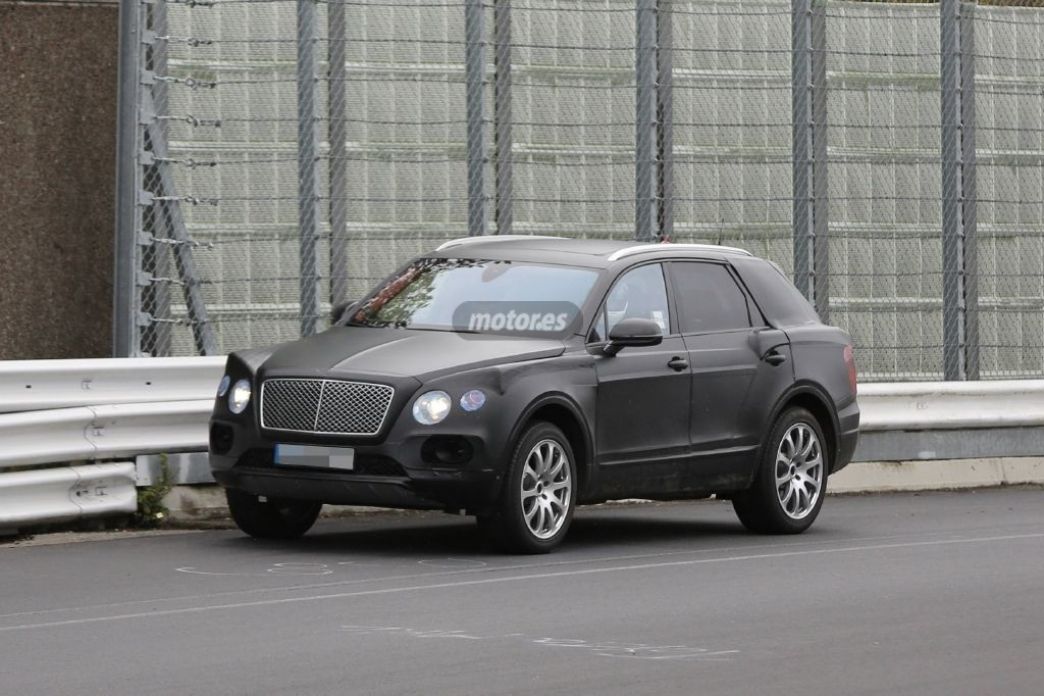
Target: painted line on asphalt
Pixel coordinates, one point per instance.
(443, 573)
(527, 577)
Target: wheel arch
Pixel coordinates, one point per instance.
(561, 411)
(815, 400)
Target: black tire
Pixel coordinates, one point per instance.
(546, 504)
(272, 518)
(761, 508)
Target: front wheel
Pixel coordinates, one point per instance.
(537, 505)
(788, 490)
(272, 518)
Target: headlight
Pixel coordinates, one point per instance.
(239, 397)
(473, 400)
(226, 382)
(432, 407)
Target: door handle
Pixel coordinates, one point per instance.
(775, 358)
(678, 364)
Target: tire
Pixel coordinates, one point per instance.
(539, 497)
(272, 518)
(791, 479)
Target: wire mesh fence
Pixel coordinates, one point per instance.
(888, 156)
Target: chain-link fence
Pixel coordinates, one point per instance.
(888, 156)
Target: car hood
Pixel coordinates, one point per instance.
(357, 351)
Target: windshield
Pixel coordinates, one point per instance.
(478, 296)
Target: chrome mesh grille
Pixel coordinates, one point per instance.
(324, 406)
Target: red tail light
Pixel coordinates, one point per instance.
(850, 364)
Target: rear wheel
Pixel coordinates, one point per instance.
(536, 508)
(788, 491)
(272, 518)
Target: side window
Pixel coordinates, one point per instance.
(708, 298)
(640, 292)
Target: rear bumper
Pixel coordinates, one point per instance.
(848, 435)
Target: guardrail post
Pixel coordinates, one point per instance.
(957, 102)
(307, 165)
(475, 85)
(811, 196)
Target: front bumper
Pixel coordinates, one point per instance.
(397, 473)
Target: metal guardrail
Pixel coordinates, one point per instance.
(33, 385)
(57, 412)
(66, 493)
(53, 412)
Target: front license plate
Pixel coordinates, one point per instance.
(319, 457)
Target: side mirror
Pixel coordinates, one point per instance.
(633, 333)
(338, 311)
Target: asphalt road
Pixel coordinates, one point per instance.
(898, 594)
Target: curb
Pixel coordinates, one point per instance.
(207, 502)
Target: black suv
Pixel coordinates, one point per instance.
(512, 378)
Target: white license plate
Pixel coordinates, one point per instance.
(320, 457)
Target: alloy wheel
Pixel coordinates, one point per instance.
(799, 471)
(547, 489)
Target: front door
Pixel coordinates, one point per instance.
(642, 417)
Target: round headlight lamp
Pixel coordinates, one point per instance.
(223, 386)
(432, 407)
(473, 400)
(239, 397)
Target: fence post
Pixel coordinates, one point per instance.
(475, 85)
(969, 203)
(125, 341)
(307, 165)
(958, 190)
(338, 174)
(809, 154)
(157, 338)
(502, 114)
(665, 116)
(645, 169)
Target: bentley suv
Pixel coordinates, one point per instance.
(514, 378)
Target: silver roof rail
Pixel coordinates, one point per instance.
(670, 246)
(462, 241)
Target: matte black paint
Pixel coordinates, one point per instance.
(682, 419)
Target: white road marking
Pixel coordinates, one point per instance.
(612, 648)
(468, 571)
(525, 577)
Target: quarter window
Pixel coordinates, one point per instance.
(708, 298)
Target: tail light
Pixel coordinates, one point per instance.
(850, 364)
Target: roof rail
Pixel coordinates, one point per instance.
(462, 241)
(670, 246)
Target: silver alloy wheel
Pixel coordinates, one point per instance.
(547, 489)
(799, 471)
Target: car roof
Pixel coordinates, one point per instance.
(596, 253)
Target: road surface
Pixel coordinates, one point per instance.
(889, 594)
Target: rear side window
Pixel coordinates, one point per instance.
(781, 302)
(708, 298)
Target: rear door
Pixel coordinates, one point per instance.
(739, 367)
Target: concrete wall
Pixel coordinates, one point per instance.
(57, 173)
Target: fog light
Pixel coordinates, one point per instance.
(221, 438)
